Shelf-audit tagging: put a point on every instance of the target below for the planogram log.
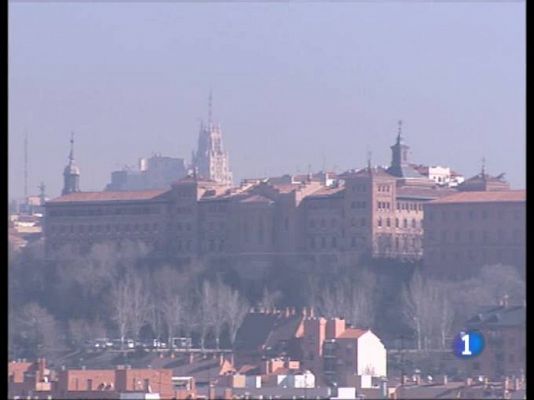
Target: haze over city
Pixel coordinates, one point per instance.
(293, 85)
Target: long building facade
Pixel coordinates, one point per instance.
(373, 212)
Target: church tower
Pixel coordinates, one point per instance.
(211, 161)
(71, 173)
(399, 155)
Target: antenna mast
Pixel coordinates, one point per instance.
(26, 165)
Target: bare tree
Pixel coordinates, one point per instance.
(173, 314)
(120, 306)
(236, 308)
(205, 311)
(413, 299)
(269, 299)
(39, 334)
(139, 309)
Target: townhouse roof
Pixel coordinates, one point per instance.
(79, 197)
(260, 330)
(498, 316)
(327, 192)
(352, 333)
(483, 197)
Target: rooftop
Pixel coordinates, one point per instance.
(108, 196)
(483, 197)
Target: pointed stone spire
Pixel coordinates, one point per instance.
(210, 100)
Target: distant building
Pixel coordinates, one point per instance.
(503, 327)
(372, 212)
(341, 353)
(155, 172)
(442, 176)
(470, 229)
(211, 161)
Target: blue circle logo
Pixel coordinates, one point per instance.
(468, 344)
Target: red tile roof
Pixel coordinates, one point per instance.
(327, 192)
(109, 196)
(352, 333)
(484, 197)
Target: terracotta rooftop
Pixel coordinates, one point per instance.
(327, 192)
(483, 197)
(352, 333)
(109, 196)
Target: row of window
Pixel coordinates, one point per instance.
(383, 188)
(359, 188)
(89, 212)
(472, 215)
(358, 204)
(108, 228)
(332, 242)
(323, 223)
(383, 205)
(397, 223)
(409, 206)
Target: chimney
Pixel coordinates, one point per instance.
(468, 381)
(444, 379)
(404, 379)
(417, 379)
(288, 312)
(304, 312)
(293, 311)
(311, 312)
(221, 359)
(191, 357)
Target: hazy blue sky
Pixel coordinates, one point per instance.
(293, 84)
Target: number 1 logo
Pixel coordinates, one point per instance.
(468, 344)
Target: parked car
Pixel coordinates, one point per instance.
(127, 344)
(151, 344)
(182, 343)
(101, 344)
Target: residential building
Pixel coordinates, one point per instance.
(470, 229)
(504, 331)
(340, 353)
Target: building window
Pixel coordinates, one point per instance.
(388, 222)
(380, 222)
(414, 223)
(396, 222)
(405, 223)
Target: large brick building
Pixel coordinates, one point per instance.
(373, 212)
(467, 230)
